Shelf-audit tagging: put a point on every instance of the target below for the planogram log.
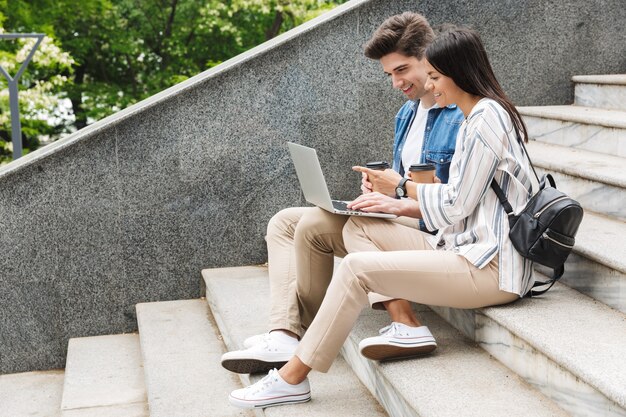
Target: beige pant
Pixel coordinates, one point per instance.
(401, 264)
(301, 244)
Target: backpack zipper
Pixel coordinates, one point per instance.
(550, 204)
(545, 236)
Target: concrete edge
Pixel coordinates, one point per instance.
(548, 156)
(146, 308)
(605, 79)
(76, 348)
(596, 254)
(577, 114)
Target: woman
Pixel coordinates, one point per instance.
(470, 263)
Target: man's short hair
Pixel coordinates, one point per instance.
(408, 34)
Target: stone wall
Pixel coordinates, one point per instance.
(131, 208)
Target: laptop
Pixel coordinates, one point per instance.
(314, 186)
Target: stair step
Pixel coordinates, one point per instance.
(596, 180)
(104, 377)
(31, 394)
(601, 91)
(565, 343)
(594, 270)
(181, 349)
(239, 300)
(597, 130)
(442, 384)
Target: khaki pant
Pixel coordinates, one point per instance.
(301, 244)
(401, 264)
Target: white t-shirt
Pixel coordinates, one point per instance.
(411, 152)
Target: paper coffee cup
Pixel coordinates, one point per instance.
(422, 173)
(377, 166)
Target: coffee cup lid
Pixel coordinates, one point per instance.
(421, 167)
(377, 164)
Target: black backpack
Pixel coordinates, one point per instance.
(545, 230)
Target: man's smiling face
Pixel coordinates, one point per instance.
(407, 73)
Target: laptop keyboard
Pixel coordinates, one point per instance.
(341, 205)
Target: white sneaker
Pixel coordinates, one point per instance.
(398, 341)
(270, 391)
(254, 340)
(269, 353)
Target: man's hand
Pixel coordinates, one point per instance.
(384, 182)
(366, 186)
(377, 202)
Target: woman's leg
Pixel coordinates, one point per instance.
(424, 276)
(362, 234)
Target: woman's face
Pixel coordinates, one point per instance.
(444, 89)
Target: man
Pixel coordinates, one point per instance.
(302, 242)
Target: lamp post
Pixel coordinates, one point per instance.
(16, 127)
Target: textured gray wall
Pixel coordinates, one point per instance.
(131, 209)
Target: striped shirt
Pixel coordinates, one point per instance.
(470, 219)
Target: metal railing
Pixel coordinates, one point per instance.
(16, 127)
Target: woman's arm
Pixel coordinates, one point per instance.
(377, 202)
(475, 163)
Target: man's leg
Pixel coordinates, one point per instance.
(281, 257)
(318, 239)
(272, 349)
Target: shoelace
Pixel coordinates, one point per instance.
(266, 342)
(392, 329)
(264, 383)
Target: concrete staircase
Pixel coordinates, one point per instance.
(570, 343)
(460, 379)
(557, 355)
(585, 150)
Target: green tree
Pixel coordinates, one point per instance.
(123, 51)
(42, 90)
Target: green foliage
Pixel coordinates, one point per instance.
(42, 89)
(114, 53)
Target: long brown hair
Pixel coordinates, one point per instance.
(459, 54)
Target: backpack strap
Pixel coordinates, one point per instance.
(503, 200)
(530, 162)
(500, 193)
(558, 273)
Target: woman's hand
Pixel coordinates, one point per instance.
(384, 182)
(377, 202)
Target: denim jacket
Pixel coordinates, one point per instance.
(442, 126)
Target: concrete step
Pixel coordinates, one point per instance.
(601, 91)
(596, 180)
(568, 345)
(31, 394)
(587, 128)
(459, 379)
(594, 270)
(181, 349)
(104, 378)
(239, 299)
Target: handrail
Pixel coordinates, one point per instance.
(16, 127)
